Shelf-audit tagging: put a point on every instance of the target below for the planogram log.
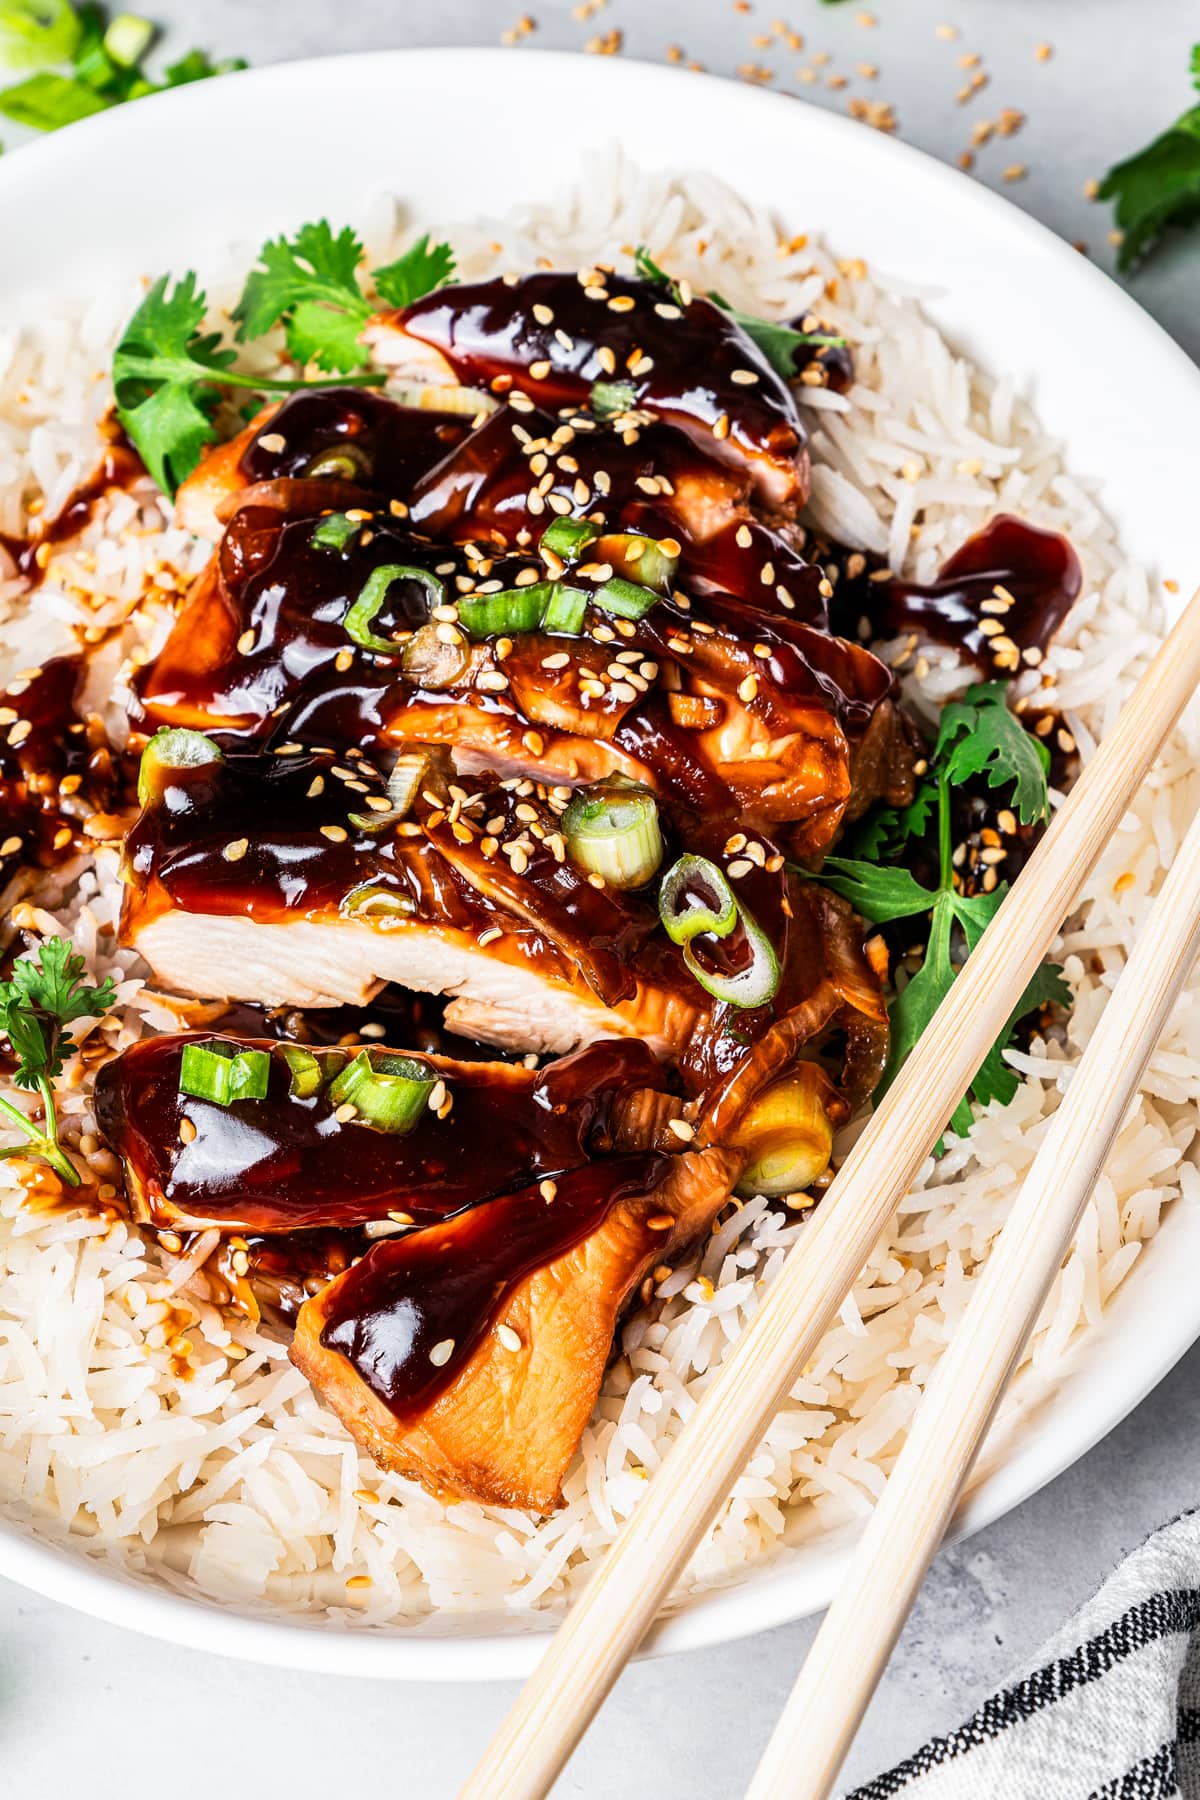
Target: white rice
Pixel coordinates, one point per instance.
(134, 1416)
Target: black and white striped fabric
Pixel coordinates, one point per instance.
(1110, 1709)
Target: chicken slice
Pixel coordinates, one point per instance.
(485, 1396)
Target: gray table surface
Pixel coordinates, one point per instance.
(125, 1716)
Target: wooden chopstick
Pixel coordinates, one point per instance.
(889, 1563)
(608, 1621)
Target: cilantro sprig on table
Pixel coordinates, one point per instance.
(778, 342)
(44, 995)
(978, 736)
(169, 373)
(1158, 189)
(84, 61)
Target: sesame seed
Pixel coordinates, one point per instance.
(489, 936)
(10, 846)
(508, 1337)
(335, 833)
(660, 1222)
(682, 1129)
(721, 428)
(621, 303)
(543, 314)
(539, 370)
(441, 1353)
(437, 1095)
(748, 688)
(548, 1190)
(20, 731)
(741, 867)
(274, 441)
(345, 1113)
(246, 642)
(187, 1130)
(743, 377)
(235, 851)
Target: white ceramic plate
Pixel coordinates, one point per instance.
(168, 183)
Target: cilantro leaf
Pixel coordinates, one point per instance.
(422, 268)
(978, 735)
(1158, 188)
(995, 1079)
(165, 375)
(45, 994)
(777, 342)
(168, 373)
(36, 34)
(917, 1001)
(981, 735)
(879, 893)
(55, 983)
(883, 832)
(316, 271)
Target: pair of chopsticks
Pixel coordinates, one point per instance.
(606, 1624)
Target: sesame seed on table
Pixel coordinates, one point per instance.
(1032, 101)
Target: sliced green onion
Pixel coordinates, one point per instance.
(566, 538)
(310, 1069)
(609, 398)
(371, 901)
(363, 613)
(640, 558)
(612, 830)
(430, 662)
(788, 1133)
(341, 462)
(404, 784)
(696, 897)
(626, 599)
(218, 1072)
(505, 614)
(754, 985)
(566, 610)
(173, 748)
(334, 532)
(389, 1092)
(128, 38)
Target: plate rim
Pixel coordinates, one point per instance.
(767, 1597)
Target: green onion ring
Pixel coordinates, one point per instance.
(389, 1093)
(358, 621)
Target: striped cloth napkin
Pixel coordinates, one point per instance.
(1110, 1709)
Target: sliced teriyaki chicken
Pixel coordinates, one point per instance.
(618, 344)
(469, 1356)
(351, 439)
(348, 629)
(249, 878)
(299, 1155)
(276, 878)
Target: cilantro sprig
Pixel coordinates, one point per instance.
(779, 343)
(1158, 188)
(44, 995)
(169, 373)
(85, 61)
(978, 736)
